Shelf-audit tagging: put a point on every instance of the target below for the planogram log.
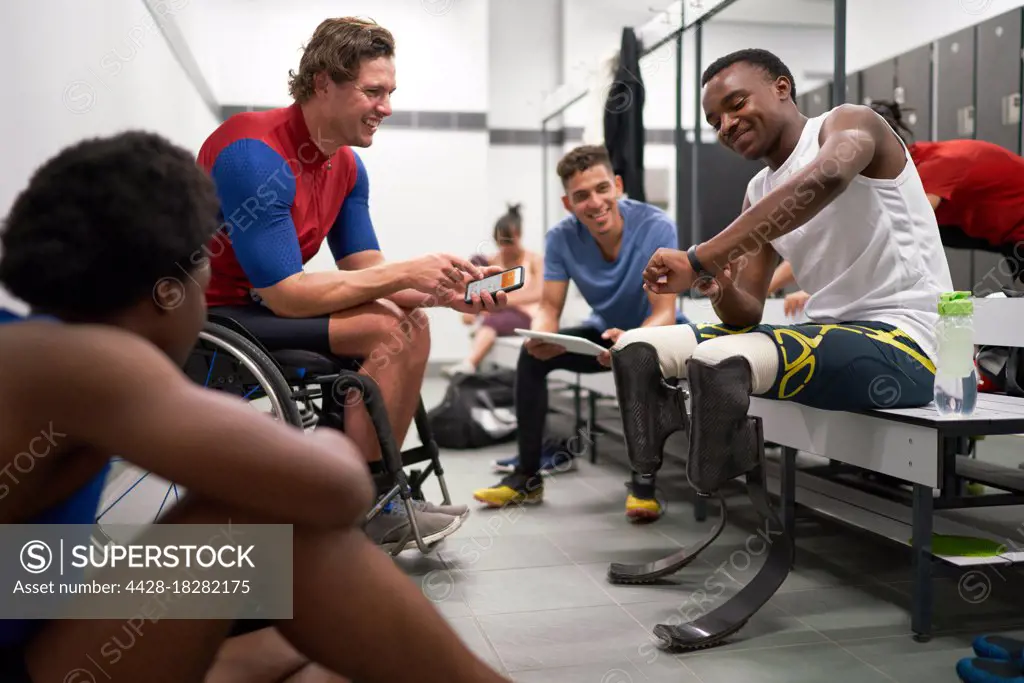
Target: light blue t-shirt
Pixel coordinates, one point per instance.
(613, 289)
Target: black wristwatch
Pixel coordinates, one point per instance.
(695, 263)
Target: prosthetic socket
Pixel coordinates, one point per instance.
(652, 410)
(724, 442)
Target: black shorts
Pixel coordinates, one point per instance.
(14, 670)
(281, 334)
(851, 366)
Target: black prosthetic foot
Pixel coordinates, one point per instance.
(725, 443)
(652, 410)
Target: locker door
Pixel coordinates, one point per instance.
(878, 82)
(853, 88)
(914, 90)
(801, 103)
(998, 105)
(954, 116)
(723, 183)
(819, 101)
(960, 268)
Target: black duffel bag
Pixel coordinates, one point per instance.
(477, 411)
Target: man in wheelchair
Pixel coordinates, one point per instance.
(99, 246)
(288, 180)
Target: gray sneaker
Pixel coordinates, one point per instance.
(392, 531)
(461, 511)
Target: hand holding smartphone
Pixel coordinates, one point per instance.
(505, 281)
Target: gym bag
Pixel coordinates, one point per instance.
(477, 411)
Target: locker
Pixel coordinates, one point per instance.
(914, 90)
(954, 116)
(853, 88)
(723, 183)
(998, 91)
(878, 82)
(991, 272)
(819, 100)
(801, 103)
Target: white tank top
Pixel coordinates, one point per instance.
(873, 254)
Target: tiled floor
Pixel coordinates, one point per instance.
(525, 588)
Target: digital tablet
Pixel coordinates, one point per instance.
(569, 343)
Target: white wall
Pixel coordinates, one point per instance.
(78, 70)
(880, 29)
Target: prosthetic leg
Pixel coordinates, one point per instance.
(652, 410)
(724, 443)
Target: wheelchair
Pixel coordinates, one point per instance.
(309, 390)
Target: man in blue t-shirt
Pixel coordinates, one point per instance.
(603, 247)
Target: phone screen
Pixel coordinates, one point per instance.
(495, 283)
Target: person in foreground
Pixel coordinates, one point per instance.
(601, 247)
(289, 182)
(100, 360)
(976, 189)
(522, 303)
(842, 202)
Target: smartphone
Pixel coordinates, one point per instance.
(507, 281)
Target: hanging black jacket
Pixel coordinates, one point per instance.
(624, 134)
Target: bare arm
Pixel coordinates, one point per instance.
(852, 136)
(663, 310)
(533, 288)
(306, 295)
(782, 278)
(551, 305)
(742, 292)
(122, 396)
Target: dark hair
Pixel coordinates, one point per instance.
(893, 115)
(763, 59)
(510, 225)
(582, 158)
(339, 46)
(102, 222)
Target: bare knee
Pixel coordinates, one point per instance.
(384, 331)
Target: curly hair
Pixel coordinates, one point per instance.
(103, 221)
(339, 46)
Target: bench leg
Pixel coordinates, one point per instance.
(921, 614)
(592, 425)
(788, 493)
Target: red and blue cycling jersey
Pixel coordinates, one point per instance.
(280, 197)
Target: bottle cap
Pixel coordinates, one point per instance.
(956, 303)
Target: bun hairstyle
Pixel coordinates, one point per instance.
(510, 225)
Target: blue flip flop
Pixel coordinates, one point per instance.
(1000, 647)
(982, 670)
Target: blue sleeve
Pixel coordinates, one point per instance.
(555, 268)
(256, 190)
(353, 231)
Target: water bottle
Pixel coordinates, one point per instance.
(956, 381)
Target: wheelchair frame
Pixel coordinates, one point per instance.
(295, 376)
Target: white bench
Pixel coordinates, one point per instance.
(916, 446)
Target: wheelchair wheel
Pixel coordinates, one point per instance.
(224, 360)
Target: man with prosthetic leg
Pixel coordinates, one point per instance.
(841, 201)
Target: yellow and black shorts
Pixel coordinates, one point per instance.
(850, 366)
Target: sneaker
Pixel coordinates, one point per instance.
(461, 511)
(515, 489)
(391, 528)
(552, 462)
(643, 509)
(463, 368)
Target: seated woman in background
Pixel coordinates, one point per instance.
(976, 189)
(522, 303)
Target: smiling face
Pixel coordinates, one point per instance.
(592, 196)
(355, 109)
(748, 109)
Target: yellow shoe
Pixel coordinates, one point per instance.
(642, 509)
(513, 490)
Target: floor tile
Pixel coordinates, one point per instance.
(469, 631)
(665, 670)
(633, 544)
(530, 590)
(562, 638)
(848, 612)
(798, 664)
(482, 553)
